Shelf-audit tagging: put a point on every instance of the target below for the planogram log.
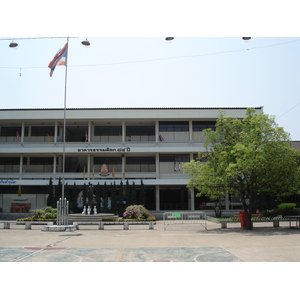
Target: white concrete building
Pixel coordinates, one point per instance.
(135, 144)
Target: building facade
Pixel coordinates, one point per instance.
(104, 145)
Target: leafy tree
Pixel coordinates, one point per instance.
(50, 198)
(98, 197)
(121, 206)
(246, 157)
(113, 197)
(105, 198)
(84, 194)
(133, 194)
(128, 194)
(73, 205)
(58, 192)
(142, 195)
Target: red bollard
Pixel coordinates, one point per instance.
(243, 220)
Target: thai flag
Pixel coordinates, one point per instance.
(60, 59)
(86, 137)
(160, 138)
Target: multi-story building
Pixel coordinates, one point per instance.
(104, 145)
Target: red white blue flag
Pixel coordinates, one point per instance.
(60, 59)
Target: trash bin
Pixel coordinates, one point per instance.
(243, 220)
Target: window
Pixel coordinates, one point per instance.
(12, 161)
(108, 130)
(140, 164)
(41, 161)
(201, 125)
(174, 126)
(12, 131)
(42, 130)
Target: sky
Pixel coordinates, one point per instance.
(127, 66)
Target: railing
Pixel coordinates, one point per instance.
(171, 218)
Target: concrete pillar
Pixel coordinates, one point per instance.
(21, 166)
(89, 166)
(192, 199)
(123, 166)
(157, 200)
(226, 201)
(157, 165)
(123, 132)
(55, 132)
(22, 133)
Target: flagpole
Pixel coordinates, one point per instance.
(64, 134)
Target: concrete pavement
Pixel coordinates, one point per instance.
(178, 243)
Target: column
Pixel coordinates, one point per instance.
(55, 132)
(89, 131)
(226, 201)
(21, 165)
(123, 132)
(156, 131)
(88, 167)
(191, 131)
(157, 200)
(157, 165)
(123, 166)
(22, 132)
(54, 166)
(192, 199)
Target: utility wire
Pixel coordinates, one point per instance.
(162, 59)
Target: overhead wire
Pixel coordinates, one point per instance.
(162, 59)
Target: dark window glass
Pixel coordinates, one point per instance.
(41, 161)
(174, 157)
(140, 130)
(147, 160)
(42, 130)
(107, 160)
(12, 131)
(108, 130)
(173, 126)
(201, 125)
(12, 160)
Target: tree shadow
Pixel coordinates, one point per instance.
(256, 231)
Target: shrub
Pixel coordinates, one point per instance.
(136, 212)
(37, 213)
(151, 218)
(288, 209)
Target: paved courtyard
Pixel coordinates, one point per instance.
(178, 243)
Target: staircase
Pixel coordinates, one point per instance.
(88, 218)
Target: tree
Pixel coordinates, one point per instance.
(113, 197)
(98, 197)
(58, 192)
(133, 194)
(73, 205)
(105, 198)
(50, 198)
(246, 157)
(121, 206)
(84, 194)
(128, 194)
(142, 195)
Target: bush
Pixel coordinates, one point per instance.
(288, 209)
(48, 213)
(151, 218)
(136, 212)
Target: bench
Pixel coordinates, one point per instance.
(125, 224)
(274, 221)
(27, 224)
